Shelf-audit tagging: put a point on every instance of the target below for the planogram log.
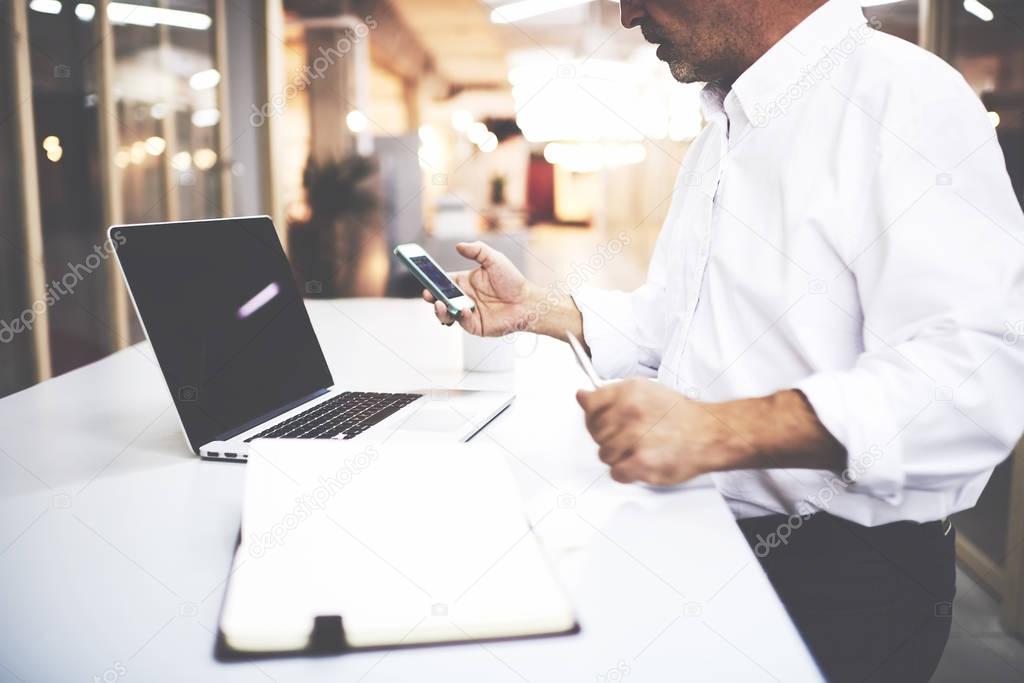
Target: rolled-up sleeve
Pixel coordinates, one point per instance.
(938, 258)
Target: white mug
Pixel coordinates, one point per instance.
(488, 354)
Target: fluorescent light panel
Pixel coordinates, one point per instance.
(127, 13)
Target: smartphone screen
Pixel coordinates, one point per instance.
(435, 275)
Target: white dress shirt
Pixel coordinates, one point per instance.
(844, 225)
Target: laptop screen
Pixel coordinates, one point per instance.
(227, 323)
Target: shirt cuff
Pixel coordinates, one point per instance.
(607, 330)
(854, 408)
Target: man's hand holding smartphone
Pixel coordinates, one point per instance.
(505, 300)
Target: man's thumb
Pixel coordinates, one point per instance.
(477, 251)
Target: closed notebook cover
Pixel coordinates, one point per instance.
(378, 545)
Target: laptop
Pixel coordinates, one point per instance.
(219, 304)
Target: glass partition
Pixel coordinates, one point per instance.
(986, 44)
(158, 62)
(78, 269)
(167, 84)
(16, 370)
(900, 18)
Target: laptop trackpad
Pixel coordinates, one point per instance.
(439, 417)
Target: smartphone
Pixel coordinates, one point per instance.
(433, 278)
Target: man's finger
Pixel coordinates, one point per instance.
(584, 397)
(612, 456)
(605, 428)
(627, 471)
(428, 297)
(441, 311)
(594, 402)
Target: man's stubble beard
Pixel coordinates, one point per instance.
(710, 62)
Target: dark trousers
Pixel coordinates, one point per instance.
(872, 603)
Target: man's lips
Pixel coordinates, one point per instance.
(652, 37)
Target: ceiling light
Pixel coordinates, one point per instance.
(204, 158)
(155, 145)
(592, 156)
(143, 15)
(204, 118)
(461, 120)
(489, 143)
(476, 132)
(85, 12)
(181, 161)
(137, 152)
(204, 80)
(45, 6)
(356, 121)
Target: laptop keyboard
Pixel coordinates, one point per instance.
(350, 413)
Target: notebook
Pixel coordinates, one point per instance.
(346, 545)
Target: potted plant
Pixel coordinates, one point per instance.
(342, 212)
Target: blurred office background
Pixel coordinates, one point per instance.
(540, 126)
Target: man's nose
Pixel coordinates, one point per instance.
(630, 12)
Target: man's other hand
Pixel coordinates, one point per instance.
(650, 433)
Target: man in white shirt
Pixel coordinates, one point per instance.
(826, 312)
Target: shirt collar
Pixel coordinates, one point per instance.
(804, 56)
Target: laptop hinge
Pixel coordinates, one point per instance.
(232, 433)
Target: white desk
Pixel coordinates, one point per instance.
(115, 541)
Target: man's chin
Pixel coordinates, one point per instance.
(682, 71)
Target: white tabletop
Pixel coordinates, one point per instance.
(115, 541)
